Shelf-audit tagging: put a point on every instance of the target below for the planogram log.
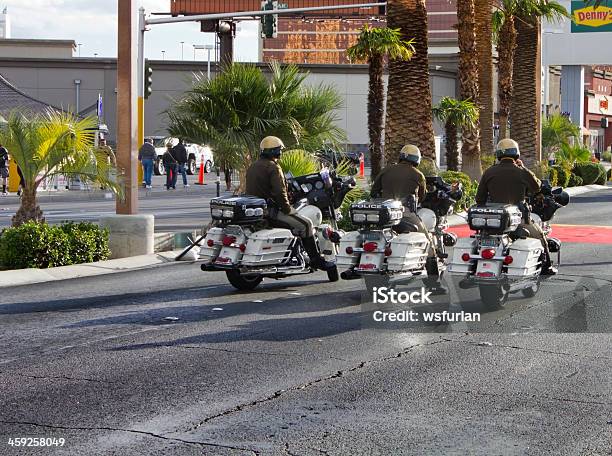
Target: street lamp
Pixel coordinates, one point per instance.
(79, 45)
(182, 49)
(163, 55)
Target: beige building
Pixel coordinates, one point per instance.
(37, 49)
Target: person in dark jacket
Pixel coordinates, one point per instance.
(509, 182)
(265, 179)
(170, 164)
(180, 153)
(4, 168)
(147, 156)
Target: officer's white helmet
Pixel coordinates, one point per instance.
(410, 153)
(271, 146)
(507, 148)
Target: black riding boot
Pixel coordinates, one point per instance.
(547, 265)
(317, 261)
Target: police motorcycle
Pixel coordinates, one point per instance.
(244, 243)
(376, 248)
(500, 259)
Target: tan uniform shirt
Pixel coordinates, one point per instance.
(506, 183)
(399, 181)
(265, 179)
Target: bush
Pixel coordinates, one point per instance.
(38, 245)
(354, 195)
(486, 161)
(606, 156)
(574, 181)
(609, 174)
(469, 188)
(428, 167)
(553, 177)
(591, 173)
(563, 174)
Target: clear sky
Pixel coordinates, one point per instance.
(93, 23)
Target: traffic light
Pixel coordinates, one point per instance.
(148, 80)
(268, 22)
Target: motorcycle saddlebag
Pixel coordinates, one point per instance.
(525, 255)
(209, 253)
(350, 240)
(268, 247)
(408, 252)
(457, 265)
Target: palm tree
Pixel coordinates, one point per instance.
(484, 49)
(235, 110)
(558, 130)
(455, 115)
(409, 117)
(525, 109)
(468, 85)
(51, 144)
(504, 36)
(372, 46)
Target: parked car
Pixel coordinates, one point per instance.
(195, 153)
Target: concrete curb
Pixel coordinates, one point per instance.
(19, 277)
(573, 191)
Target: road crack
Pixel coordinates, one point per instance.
(60, 377)
(132, 431)
(536, 396)
(539, 350)
(335, 375)
(227, 350)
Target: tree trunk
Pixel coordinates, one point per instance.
(452, 154)
(484, 12)
(525, 110)
(468, 85)
(29, 209)
(409, 116)
(505, 51)
(376, 97)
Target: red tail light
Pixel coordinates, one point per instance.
(229, 240)
(349, 250)
(370, 247)
(508, 260)
(210, 243)
(242, 247)
(487, 254)
(465, 257)
(388, 251)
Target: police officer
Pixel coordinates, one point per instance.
(508, 182)
(265, 179)
(403, 181)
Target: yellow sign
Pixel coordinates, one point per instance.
(591, 19)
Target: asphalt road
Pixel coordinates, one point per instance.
(298, 367)
(183, 209)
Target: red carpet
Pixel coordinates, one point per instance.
(585, 234)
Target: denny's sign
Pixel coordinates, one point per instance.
(590, 19)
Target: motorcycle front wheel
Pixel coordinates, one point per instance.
(493, 296)
(243, 283)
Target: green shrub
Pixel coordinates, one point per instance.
(606, 155)
(469, 188)
(486, 161)
(38, 245)
(354, 195)
(563, 174)
(609, 174)
(428, 167)
(574, 181)
(553, 177)
(87, 242)
(591, 173)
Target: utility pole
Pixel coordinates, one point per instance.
(127, 109)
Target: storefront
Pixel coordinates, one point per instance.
(598, 108)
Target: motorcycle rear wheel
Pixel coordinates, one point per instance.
(243, 283)
(493, 296)
(532, 290)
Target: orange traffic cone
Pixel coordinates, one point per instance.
(201, 176)
(361, 166)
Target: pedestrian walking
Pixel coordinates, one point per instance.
(180, 153)
(147, 156)
(227, 172)
(171, 165)
(4, 168)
